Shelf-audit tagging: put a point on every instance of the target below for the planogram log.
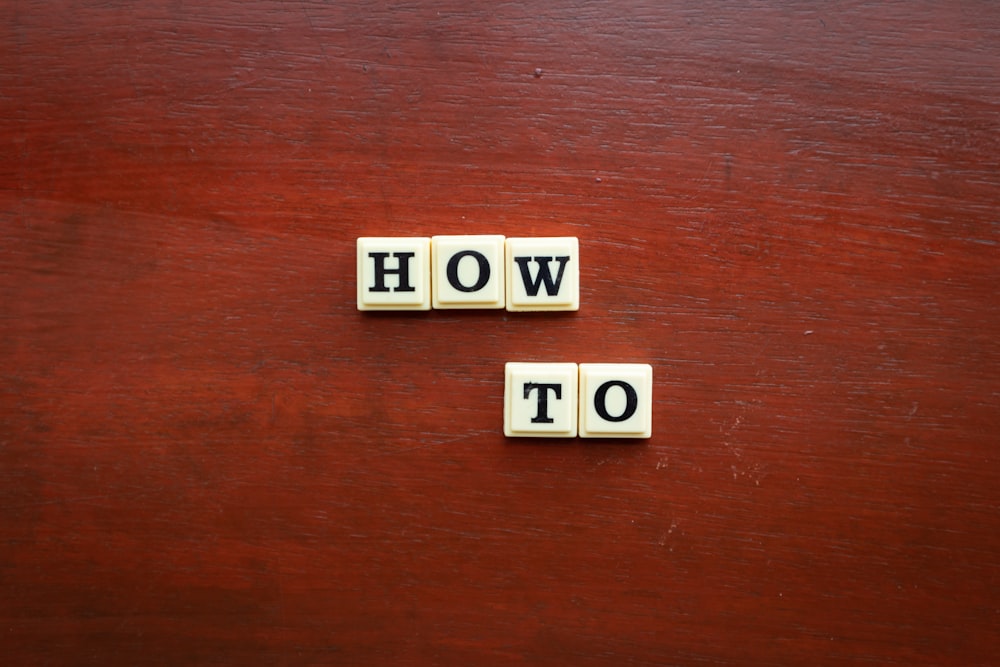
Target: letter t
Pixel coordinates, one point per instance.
(542, 416)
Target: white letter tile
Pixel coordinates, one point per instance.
(616, 400)
(394, 273)
(543, 273)
(540, 400)
(468, 271)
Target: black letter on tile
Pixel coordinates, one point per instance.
(484, 271)
(601, 395)
(403, 271)
(543, 400)
(551, 286)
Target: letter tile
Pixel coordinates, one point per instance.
(394, 273)
(540, 400)
(543, 273)
(616, 400)
(468, 271)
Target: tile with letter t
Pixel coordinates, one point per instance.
(616, 400)
(543, 273)
(468, 271)
(540, 400)
(394, 273)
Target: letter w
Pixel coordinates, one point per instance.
(531, 285)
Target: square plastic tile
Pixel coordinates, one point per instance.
(543, 273)
(616, 400)
(540, 400)
(394, 273)
(468, 271)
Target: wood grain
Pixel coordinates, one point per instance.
(209, 456)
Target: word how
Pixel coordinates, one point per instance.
(521, 274)
(563, 400)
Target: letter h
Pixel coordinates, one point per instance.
(402, 270)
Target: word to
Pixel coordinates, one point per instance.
(519, 274)
(563, 400)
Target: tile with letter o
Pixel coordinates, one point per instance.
(616, 400)
(540, 400)
(468, 271)
(543, 273)
(394, 273)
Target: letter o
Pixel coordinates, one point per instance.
(601, 396)
(484, 271)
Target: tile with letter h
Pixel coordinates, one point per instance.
(590, 400)
(483, 271)
(394, 273)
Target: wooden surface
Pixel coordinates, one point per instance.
(209, 456)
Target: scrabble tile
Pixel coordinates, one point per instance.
(540, 400)
(394, 273)
(543, 273)
(616, 400)
(468, 271)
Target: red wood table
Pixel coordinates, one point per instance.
(208, 455)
